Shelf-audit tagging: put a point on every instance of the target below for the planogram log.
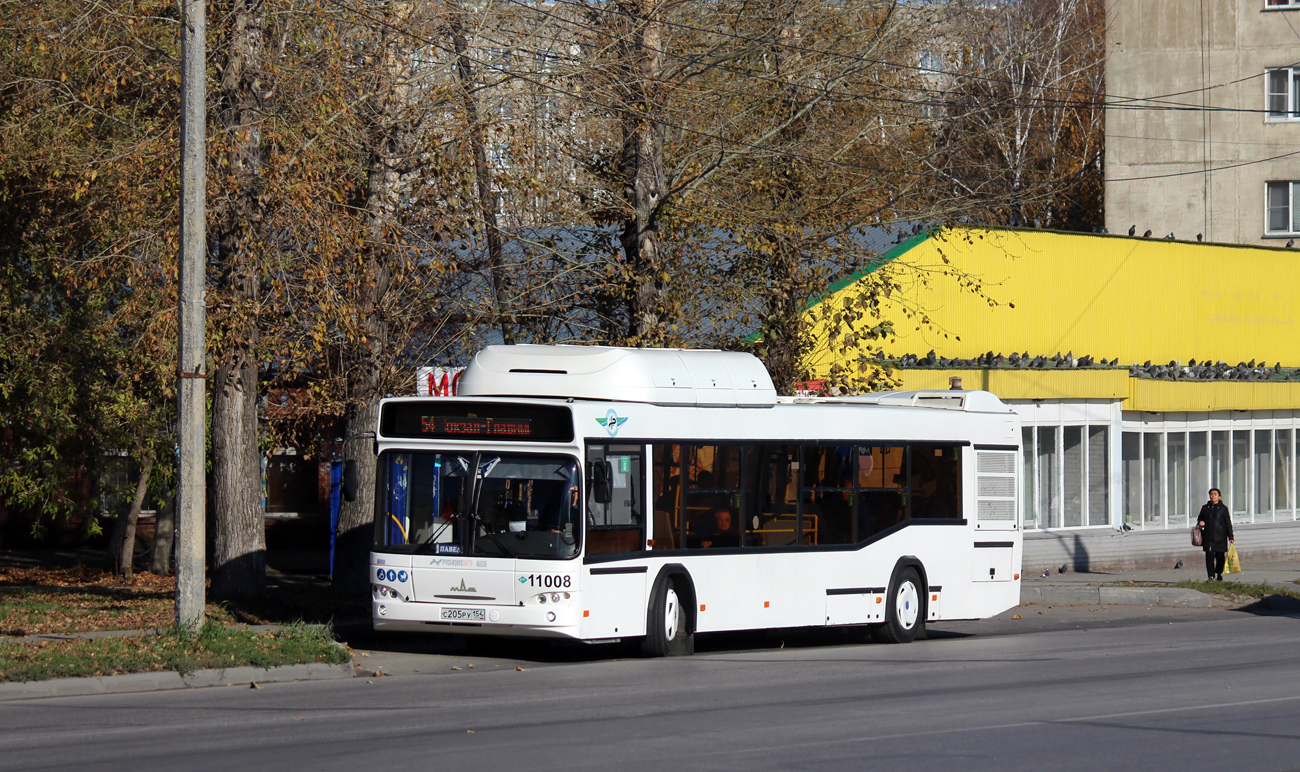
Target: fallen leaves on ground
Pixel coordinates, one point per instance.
(212, 647)
(37, 601)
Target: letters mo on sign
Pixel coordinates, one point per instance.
(437, 381)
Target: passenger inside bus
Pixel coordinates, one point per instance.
(724, 531)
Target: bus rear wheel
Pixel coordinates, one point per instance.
(905, 612)
(666, 624)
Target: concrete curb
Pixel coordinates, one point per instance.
(36, 637)
(1116, 596)
(164, 681)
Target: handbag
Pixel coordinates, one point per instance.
(1196, 536)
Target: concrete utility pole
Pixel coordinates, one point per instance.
(191, 501)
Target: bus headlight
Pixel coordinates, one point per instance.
(551, 598)
(550, 616)
(381, 592)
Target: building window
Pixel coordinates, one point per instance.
(1066, 476)
(1283, 484)
(1282, 4)
(1167, 475)
(1283, 97)
(1176, 476)
(1131, 463)
(1283, 217)
(1098, 475)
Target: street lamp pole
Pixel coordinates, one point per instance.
(191, 494)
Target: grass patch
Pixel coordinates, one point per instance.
(78, 600)
(211, 647)
(1237, 588)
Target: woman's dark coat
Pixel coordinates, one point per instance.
(1218, 527)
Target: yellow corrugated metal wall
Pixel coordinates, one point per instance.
(1104, 296)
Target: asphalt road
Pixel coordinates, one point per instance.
(1210, 690)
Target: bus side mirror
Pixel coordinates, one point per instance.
(601, 474)
(350, 480)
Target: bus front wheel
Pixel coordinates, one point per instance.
(666, 624)
(905, 614)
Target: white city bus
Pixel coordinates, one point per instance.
(599, 494)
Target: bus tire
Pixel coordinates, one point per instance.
(905, 612)
(667, 622)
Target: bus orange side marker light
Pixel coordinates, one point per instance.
(880, 600)
(701, 607)
(767, 604)
(586, 613)
(1017, 576)
(934, 597)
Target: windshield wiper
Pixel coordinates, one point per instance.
(476, 493)
(431, 540)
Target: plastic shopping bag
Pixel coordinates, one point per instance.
(1233, 564)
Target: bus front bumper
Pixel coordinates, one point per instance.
(528, 621)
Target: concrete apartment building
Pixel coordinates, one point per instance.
(1203, 119)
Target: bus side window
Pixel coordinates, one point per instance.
(713, 495)
(771, 515)
(618, 526)
(828, 494)
(936, 481)
(882, 481)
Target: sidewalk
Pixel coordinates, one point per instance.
(1107, 587)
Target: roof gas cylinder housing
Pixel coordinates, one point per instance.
(659, 376)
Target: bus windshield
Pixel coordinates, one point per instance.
(478, 503)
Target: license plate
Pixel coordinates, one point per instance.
(464, 614)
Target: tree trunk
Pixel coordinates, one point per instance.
(390, 135)
(122, 545)
(355, 531)
(641, 167)
(783, 336)
(783, 339)
(488, 201)
(239, 527)
(164, 530)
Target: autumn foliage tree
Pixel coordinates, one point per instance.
(87, 127)
(398, 182)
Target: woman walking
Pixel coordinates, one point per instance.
(1216, 534)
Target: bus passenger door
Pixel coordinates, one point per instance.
(613, 592)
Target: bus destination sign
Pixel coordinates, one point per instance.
(457, 420)
(478, 427)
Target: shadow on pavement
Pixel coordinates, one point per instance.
(359, 635)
